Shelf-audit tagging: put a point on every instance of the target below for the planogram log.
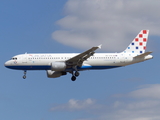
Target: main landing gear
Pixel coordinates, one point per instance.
(74, 75)
(24, 76)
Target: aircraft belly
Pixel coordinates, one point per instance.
(31, 65)
(101, 64)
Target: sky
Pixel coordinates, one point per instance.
(73, 26)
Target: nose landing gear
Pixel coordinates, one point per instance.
(24, 76)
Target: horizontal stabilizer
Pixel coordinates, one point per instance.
(143, 55)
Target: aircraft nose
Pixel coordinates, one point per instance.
(6, 63)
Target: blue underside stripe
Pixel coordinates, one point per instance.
(68, 69)
(30, 67)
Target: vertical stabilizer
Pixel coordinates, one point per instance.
(138, 45)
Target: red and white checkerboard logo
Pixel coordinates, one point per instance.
(138, 45)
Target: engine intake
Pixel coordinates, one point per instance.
(58, 66)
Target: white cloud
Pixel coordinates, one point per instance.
(147, 91)
(135, 105)
(113, 23)
(141, 104)
(75, 105)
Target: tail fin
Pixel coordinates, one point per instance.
(138, 45)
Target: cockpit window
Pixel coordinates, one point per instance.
(14, 58)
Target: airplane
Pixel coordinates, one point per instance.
(60, 64)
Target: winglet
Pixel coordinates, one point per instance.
(100, 46)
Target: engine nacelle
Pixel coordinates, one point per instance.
(55, 74)
(58, 66)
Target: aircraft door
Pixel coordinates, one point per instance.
(123, 58)
(24, 58)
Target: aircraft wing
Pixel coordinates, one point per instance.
(78, 59)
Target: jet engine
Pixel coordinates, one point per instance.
(55, 74)
(58, 66)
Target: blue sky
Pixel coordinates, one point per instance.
(130, 92)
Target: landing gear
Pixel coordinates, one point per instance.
(73, 78)
(24, 76)
(74, 75)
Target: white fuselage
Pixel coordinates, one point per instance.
(97, 61)
(57, 65)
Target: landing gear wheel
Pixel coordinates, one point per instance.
(73, 78)
(24, 76)
(76, 73)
